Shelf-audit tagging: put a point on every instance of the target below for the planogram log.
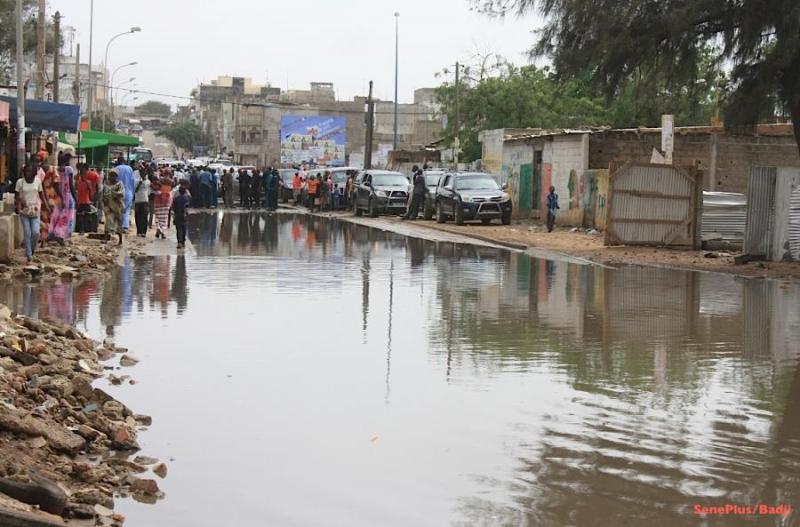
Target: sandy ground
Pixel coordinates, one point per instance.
(590, 247)
(532, 236)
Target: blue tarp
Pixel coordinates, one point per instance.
(43, 115)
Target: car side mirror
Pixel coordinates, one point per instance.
(505, 186)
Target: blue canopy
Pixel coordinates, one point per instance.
(43, 115)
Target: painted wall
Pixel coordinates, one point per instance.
(492, 150)
(570, 159)
(515, 155)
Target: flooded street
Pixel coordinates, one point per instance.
(304, 371)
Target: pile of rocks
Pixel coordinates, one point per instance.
(65, 446)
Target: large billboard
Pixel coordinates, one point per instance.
(313, 139)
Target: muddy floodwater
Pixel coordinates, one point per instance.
(309, 372)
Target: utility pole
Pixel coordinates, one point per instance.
(90, 98)
(20, 95)
(456, 126)
(77, 98)
(396, 71)
(370, 128)
(41, 46)
(57, 57)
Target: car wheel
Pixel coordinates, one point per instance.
(428, 212)
(373, 210)
(356, 210)
(439, 214)
(486, 221)
(459, 213)
(506, 219)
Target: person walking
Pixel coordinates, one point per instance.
(85, 190)
(194, 185)
(141, 203)
(163, 202)
(297, 187)
(552, 207)
(214, 189)
(114, 204)
(227, 188)
(126, 177)
(180, 211)
(256, 184)
(244, 188)
(273, 189)
(206, 182)
(313, 197)
(29, 200)
(417, 194)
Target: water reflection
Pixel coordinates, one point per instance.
(569, 395)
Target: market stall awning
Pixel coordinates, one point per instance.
(109, 139)
(43, 115)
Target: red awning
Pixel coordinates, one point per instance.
(4, 109)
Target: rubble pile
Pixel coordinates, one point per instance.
(65, 446)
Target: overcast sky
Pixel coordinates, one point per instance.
(348, 43)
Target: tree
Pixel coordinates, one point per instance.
(530, 97)
(185, 135)
(8, 28)
(668, 39)
(154, 108)
(102, 121)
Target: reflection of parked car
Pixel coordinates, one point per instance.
(432, 178)
(472, 196)
(381, 192)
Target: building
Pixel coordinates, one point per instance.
(244, 119)
(575, 162)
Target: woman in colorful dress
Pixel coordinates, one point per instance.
(163, 201)
(52, 196)
(62, 219)
(113, 203)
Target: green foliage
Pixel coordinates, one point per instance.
(98, 119)
(532, 97)
(185, 135)
(154, 108)
(666, 43)
(8, 29)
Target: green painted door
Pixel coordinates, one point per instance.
(525, 188)
(537, 180)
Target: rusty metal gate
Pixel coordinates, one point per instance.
(654, 205)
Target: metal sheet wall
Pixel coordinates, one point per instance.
(760, 211)
(794, 225)
(653, 205)
(787, 181)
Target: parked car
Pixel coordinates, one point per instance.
(472, 196)
(381, 192)
(432, 179)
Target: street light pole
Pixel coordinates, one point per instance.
(20, 94)
(132, 30)
(111, 89)
(396, 70)
(90, 101)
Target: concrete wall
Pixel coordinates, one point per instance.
(725, 159)
(570, 158)
(492, 147)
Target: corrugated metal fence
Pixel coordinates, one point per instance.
(773, 214)
(653, 205)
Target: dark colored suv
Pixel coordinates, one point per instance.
(472, 196)
(381, 192)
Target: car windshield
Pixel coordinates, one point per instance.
(432, 180)
(476, 183)
(389, 180)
